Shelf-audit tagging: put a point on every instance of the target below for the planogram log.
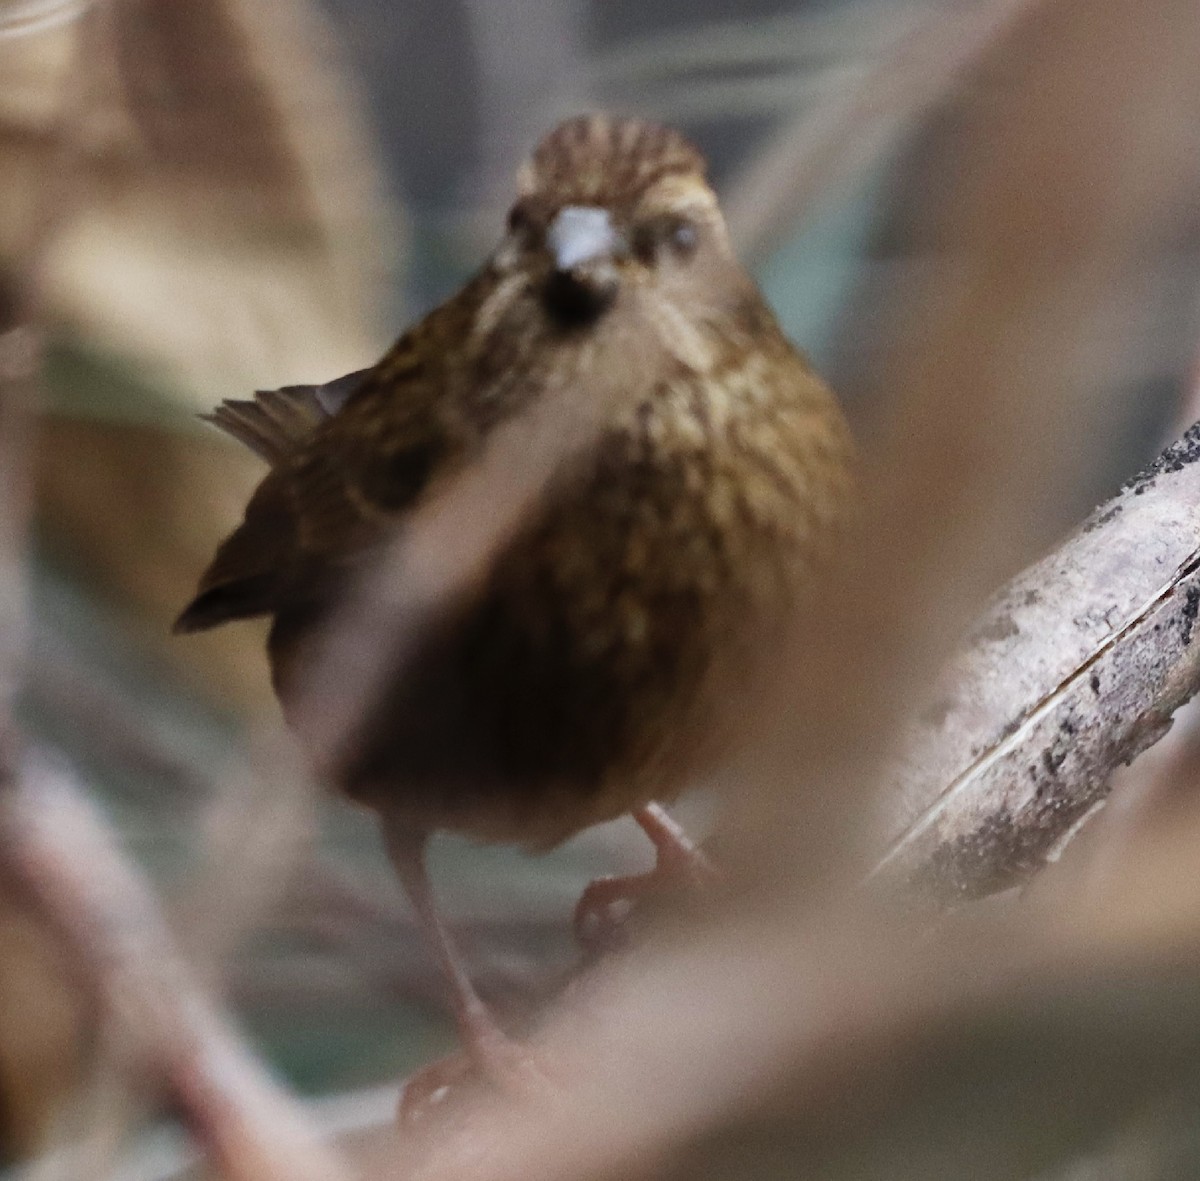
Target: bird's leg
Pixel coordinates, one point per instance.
(677, 854)
(475, 1023)
(676, 859)
(487, 1050)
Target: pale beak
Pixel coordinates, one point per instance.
(579, 234)
(583, 243)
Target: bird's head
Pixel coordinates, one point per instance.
(615, 225)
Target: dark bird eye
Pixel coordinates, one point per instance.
(520, 219)
(684, 238)
(662, 234)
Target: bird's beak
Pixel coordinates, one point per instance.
(583, 245)
(580, 234)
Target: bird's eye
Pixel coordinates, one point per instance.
(666, 234)
(684, 238)
(520, 220)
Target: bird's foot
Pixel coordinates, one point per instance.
(495, 1060)
(605, 903)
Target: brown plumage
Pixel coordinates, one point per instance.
(580, 680)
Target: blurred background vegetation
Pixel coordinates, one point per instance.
(257, 194)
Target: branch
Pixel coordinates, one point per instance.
(854, 1045)
(58, 854)
(855, 125)
(1074, 669)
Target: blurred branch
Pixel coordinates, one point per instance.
(252, 152)
(57, 853)
(449, 541)
(859, 118)
(1073, 670)
(907, 1027)
(22, 339)
(838, 1047)
(54, 849)
(22, 331)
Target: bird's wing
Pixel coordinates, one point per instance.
(348, 460)
(275, 422)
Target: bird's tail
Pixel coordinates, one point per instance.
(275, 422)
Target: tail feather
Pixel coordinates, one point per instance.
(219, 604)
(276, 422)
(249, 571)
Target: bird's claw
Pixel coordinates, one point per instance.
(506, 1065)
(605, 904)
(603, 907)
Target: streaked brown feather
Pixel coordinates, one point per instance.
(599, 159)
(276, 422)
(574, 683)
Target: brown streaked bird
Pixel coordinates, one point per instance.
(582, 678)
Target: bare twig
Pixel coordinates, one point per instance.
(839, 1033)
(57, 853)
(1071, 1023)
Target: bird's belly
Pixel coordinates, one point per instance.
(593, 671)
(546, 708)
(513, 726)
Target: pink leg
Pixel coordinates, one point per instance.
(677, 859)
(487, 1050)
(676, 852)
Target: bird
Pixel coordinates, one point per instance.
(584, 675)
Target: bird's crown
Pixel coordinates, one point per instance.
(605, 160)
